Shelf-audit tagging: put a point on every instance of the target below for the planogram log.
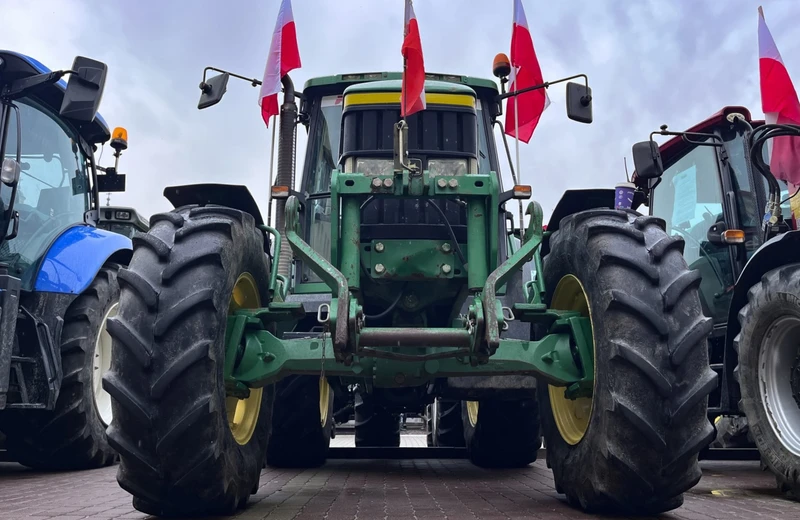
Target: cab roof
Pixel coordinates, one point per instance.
(336, 84)
(17, 66)
(395, 85)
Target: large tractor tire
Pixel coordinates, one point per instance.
(769, 372)
(375, 427)
(632, 447)
(185, 446)
(501, 434)
(443, 424)
(302, 421)
(73, 435)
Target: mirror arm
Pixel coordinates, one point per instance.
(253, 81)
(585, 100)
(25, 85)
(717, 141)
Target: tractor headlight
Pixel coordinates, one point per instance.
(450, 167)
(372, 167)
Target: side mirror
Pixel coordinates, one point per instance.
(84, 89)
(212, 90)
(714, 233)
(9, 174)
(647, 160)
(579, 102)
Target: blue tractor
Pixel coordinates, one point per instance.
(58, 267)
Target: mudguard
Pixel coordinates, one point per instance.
(75, 257)
(775, 252)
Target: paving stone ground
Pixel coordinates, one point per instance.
(391, 490)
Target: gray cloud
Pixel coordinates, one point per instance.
(649, 62)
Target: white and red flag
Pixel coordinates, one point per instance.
(780, 105)
(523, 111)
(412, 97)
(284, 56)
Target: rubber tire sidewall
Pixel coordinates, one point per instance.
(776, 295)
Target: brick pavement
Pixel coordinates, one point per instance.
(389, 489)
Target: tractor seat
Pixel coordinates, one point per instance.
(55, 201)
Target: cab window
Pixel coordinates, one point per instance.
(689, 199)
(53, 189)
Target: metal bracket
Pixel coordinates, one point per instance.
(494, 317)
(340, 301)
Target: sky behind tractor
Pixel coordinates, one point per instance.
(649, 63)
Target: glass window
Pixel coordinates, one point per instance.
(689, 199)
(53, 190)
(324, 157)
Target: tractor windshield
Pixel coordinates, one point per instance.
(689, 199)
(53, 190)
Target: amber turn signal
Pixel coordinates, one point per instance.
(280, 192)
(522, 192)
(733, 236)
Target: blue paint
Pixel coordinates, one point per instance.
(41, 69)
(74, 259)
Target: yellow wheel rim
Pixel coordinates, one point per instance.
(472, 412)
(571, 415)
(324, 400)
(243, 413)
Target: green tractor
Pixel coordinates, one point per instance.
(713, 186)
(393, 271)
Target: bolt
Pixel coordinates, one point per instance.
(379, 248)
(446, 247)
(441, 183)
(410, 301)
(387, 183)
(446, 268)
(399, 378)
(453, 183)
(379, 268)
(376, 183)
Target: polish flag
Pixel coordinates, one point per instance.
(412, 97)
(284, 56)
(525, 72)
(780, 105)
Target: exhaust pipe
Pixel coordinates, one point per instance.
(286, 165)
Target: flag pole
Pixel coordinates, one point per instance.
(516, 133)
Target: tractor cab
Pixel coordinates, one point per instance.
(708, 193)
(351, 120)
(49, 130)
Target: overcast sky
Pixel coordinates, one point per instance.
(649, 62)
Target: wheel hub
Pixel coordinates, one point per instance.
(243, 413)
(571, 413)
(101, 364)
(780, 394)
